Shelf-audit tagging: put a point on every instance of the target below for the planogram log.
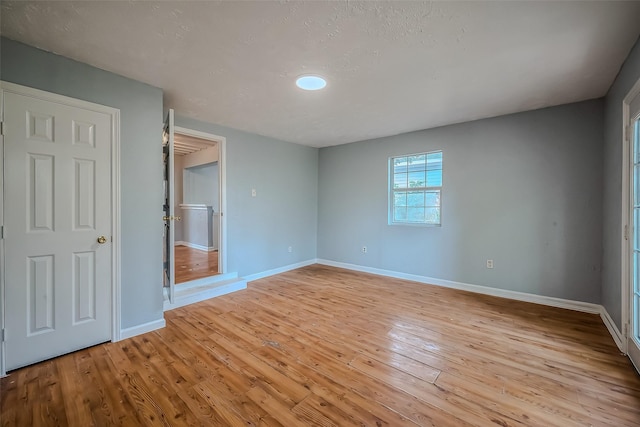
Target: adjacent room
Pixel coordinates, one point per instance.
(385, 213)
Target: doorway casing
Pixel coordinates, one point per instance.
(627, 232)
(223, 276)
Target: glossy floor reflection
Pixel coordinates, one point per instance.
(192, 264)
(325, 346)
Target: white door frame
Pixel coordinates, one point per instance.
(222, 188)
(115, 200)
(627, 232)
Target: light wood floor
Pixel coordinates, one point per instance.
(192, 264)
(324, 346)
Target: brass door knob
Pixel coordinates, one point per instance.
(102, 240)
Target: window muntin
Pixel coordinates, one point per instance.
(415, 189)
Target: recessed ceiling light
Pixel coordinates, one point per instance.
(310, 82)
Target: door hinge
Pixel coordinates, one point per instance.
(1, 232)
(4, 335)
(626, 232)
(626, 133)
(2, 128)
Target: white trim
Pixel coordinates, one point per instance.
(279, 270)
(612, 328)
(194, 246)
(222, 206)
(116, 271)
(193, 206)
(634, 355)
(116, 241)
(585, 307)
(626, 217)
(197, 134)
(142, 329)
(193, 295)
(206, 281)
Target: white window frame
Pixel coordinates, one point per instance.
(425, 189)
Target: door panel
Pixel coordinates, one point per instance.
(169, 206)
(57, 203)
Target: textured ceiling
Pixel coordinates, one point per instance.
(391, 67)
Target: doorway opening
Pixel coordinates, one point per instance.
(196, 195)
(194, 249)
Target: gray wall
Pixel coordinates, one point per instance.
(197, 227)
(528, 190)
(612, 200)
(200, 184)
(141, 172)
(523, 190)
(284, 213)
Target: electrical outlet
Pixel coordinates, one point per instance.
(290, 249)
(489, 263)
(253, 192)
(364, 249)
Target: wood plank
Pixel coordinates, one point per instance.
(331, 347)
(192, 264)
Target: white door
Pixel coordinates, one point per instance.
(633, 339)
(169, 207)
(57, 213)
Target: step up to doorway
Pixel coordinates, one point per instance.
(191, 293)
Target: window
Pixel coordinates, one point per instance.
(415, 188)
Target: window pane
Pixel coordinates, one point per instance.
(432, 198)
(400, 214)
(418, 161)
(411, 202)
(434, 178)
(415, 214)
(636, 233)
(400, 180)
(636, 311)
(636, 185)
(415, 199)
(432, 215)
(434, 161)
(636, 279)
(636, 144)
(400, 198)
(417, 179)
(399, 165)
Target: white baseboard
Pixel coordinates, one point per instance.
(142, 329)
(612, 328)
(194, 246)
(280, 270)
(586, 307)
